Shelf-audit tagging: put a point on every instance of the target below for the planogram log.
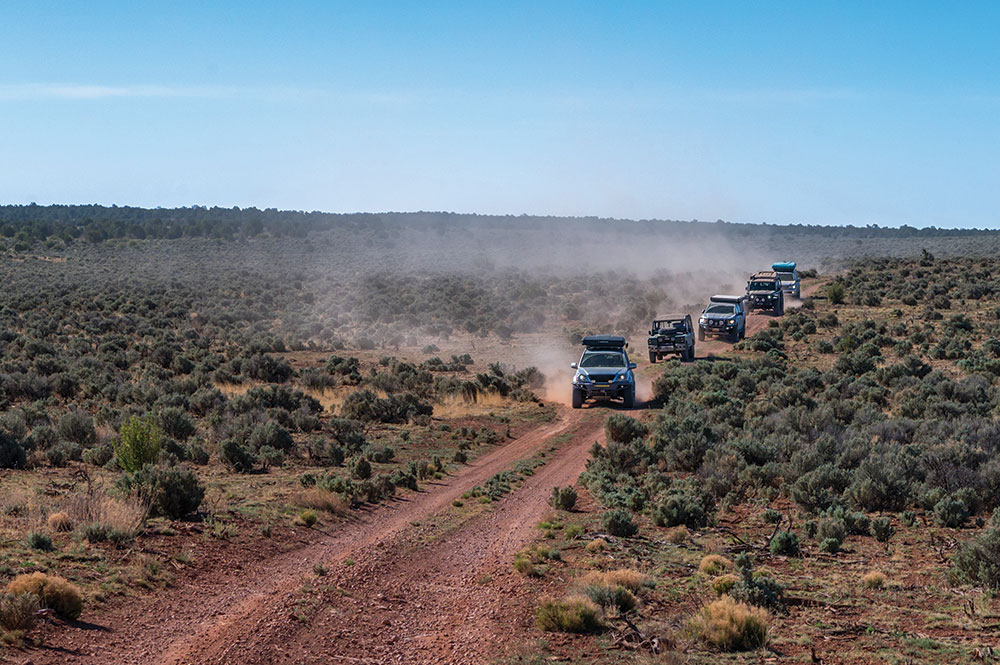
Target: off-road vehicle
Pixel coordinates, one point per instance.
(764, 292)
(724, 316)
(673, 333)
(604, 371)
(789, 277)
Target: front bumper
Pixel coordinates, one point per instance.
(611, 390)
(764, 302)
(727, 328)
(668, 348)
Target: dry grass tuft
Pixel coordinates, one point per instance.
(124, 515)
(677, 535)
(318, 499)
(628, 578)
(574, 614)
(456, 406)
(715, 564)
(56, 593)
(597, 545)
(60, 522)
(873, 580)
(730, 626)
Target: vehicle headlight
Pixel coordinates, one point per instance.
(620, 377)
(703, 320)
(581, 378)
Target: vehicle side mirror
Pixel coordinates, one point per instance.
(632, 365)
(573, 365)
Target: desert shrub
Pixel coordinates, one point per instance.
(683, 505)
(236, 457)
(882, 529)
(307, 518)
(270, 434)
(606, 596)
(19, 611)
(908, 518)
(361, 468)
(723, 584)
(563, 498)
(173, 491)
(772, 516)
(12, 453)
(785, 543)
(37, 540)
(857, 524)
(379, 454)
(835, 293)
(197, 454)
(977, 561)
(831, 529)
(55, 593)
(756, 588)
(623, 429)
(267, 368)
(575, 614)
(829, 545)
(951, 512)
(138, 444)
(460, 457)
(99, 455)
(175, 422)
(78, 427)
(270, 457)
(730, 626)
(366, 406)
(62, 453)
(618, 522)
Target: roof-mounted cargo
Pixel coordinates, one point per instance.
(783, 266)
(604, 342)
(728, 299)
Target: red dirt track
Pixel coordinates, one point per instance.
(414, 594)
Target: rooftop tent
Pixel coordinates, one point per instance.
(787, 266)
(728, 299)
(604, 342)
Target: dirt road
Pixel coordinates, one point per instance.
(247, 615)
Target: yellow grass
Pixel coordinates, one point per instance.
(597, 545)
(456, 406)
(715, 564)
(622, 577)
(318, 499)
(873, 580)
(730, 626)
(60, 522)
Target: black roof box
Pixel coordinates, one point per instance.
(604, 342)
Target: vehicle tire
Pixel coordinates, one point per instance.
(652, 358)
(629, 400)
(735, 336)
(691, 353)
(701, 335)
(577, 398)
(743, 331)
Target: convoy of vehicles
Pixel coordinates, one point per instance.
(673, 333)
(764, 292)
(604, 370)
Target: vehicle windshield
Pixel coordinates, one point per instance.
(602, 359)
(669, 325)
(786, 276)
(720, 309)
(761, 286)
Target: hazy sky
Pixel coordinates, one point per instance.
(784, 112)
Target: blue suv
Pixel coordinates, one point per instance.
(604, 371)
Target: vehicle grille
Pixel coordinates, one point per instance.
(602, 378)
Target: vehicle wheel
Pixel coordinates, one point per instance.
(701, 335)
(743, 332)
(577, 398)
(691, 353)
(652, 358)
(629, 400)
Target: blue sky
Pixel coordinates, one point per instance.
(786, 112)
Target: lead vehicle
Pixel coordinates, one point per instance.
(673, 333)
(724, 316)
(789, 276)
(604, 371)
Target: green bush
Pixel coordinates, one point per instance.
(882, 529)
(236, 457)
(950, 512)
(563, 498)
(618, 522)
(362, 468)
(19, 611)
(173, 490)
(37, 540)
(623, 429)
(785, 543)
(977, 561)
(138, 444)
